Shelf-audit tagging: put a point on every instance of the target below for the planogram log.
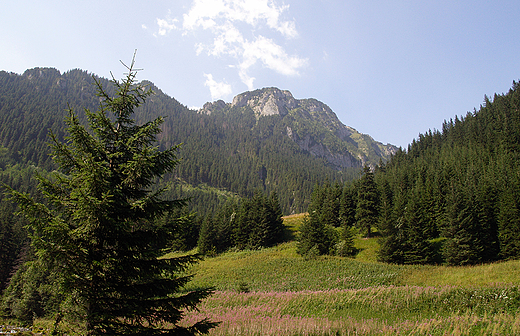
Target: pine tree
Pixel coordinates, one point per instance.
(393, 232)
(417, 248)
(97, 228)
(345, 246)
(509, 224)
(348, 201)
(366, 210)
(207, 242)
(314, 238)
(462, 246)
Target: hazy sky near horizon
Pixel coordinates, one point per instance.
(391, 69)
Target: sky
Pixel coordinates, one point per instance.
(390, 69)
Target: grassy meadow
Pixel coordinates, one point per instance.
(275, 291)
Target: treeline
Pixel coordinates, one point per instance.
(453, 197)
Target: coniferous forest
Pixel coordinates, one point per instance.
(452, 197)
(231, 163)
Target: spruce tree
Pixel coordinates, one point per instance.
(462, 246)
(98, 229)
(417, 248)
(313, 238)
(509, 223)
(367, 202)
(348, 201)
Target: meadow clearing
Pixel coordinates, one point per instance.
(275, 291)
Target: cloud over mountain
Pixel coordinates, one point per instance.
(248, 32)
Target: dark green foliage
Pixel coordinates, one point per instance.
(316, 234)
(367, 202)
(345, 246)
(229, 150)
(315, 238)
(347, 205)
(34, 291)
(453, 197)
(97, 229)
(417, 248)
(13, 236)
(250, 223)
(459, 186)
(509, 224)
(393, 229)
(462, 246)
(185, 227)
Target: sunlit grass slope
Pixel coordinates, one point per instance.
(276, 292)
(281, 269)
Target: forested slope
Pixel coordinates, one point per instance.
(460, 184)
(234, 152)
(453, 197)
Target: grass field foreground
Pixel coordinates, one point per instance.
(275, 291)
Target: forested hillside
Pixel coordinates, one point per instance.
(226, 152)
(453, 197)
(461, 184)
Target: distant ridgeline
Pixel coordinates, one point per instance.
(263, 140)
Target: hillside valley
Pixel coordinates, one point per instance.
(264, 139)
(380, 240)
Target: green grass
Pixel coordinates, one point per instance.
(281, 269)
(506, 272)
(274, 291)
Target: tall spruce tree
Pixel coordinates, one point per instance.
(98, 227)
(367, 202)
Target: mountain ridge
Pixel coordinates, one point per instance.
(312, 125)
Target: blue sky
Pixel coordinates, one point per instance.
(391, 69)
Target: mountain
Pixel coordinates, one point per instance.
(312, 125)
(264, 139)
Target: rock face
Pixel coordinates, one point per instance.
(312, 125)
(267, 101)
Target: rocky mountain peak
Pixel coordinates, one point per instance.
(312, 125)
(267, 101)
(264, 102)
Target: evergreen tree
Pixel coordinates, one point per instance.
(393, 232)
(462, 246)
(345, 246)
(417, 248)
(348, 201)
(97, 228)
(509, 224)
(315, 237)
(367, 202)
(207, 242)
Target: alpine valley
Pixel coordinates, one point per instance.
(262, 140)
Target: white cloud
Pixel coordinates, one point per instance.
(236, 28)
(204, 13)
(165, 26)
(272, 56)
(218, 90)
